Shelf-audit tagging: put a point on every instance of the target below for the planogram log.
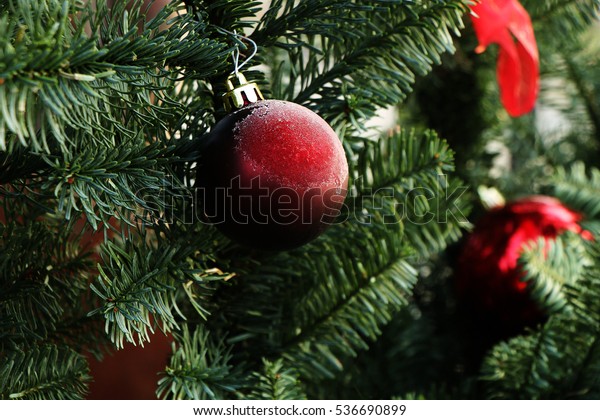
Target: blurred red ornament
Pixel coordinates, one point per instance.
(488, 278)
(132, 372)
(507, 23)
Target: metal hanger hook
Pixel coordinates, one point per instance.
(236, 54)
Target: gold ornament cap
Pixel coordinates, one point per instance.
(240, 92)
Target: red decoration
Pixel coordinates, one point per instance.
(132, 372)
(507, 23)
(273, 176)
(488, 278)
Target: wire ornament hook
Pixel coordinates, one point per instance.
(236, 54)
(240, 92)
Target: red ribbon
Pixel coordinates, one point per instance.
(507, 23)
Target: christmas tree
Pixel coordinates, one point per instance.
(106, 113)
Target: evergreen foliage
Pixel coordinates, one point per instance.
(276, 383)
(45, 372)
(199, 369)
(103, 113)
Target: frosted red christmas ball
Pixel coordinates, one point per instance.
(273, 175)
(488, 277)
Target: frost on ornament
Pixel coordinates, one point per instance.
(259, 138)
(273, 175)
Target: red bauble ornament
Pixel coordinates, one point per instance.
(273, 175)
(488, 278)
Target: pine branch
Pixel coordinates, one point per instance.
(42, 274)
(332, 315)
(550, 267)
(586, 382)
(316, 351)
(229, 14)
(134, 285)
(402, 157)
(199, 368)
(59, 373)
(291, 19)
(578, 190)
(276, 382)
(345, 65)
(538, 366)
(410, 170)
(141, 285)
(129, 180)
(325, 293)
(199, 115)
(564, 17)
(436, 215)
(67, 80)
(586, 92)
